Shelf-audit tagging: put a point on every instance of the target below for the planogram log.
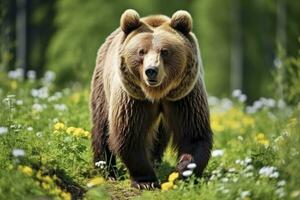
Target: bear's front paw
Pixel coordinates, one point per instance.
(185, 166)
(145, 185)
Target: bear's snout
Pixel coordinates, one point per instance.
(151, 73)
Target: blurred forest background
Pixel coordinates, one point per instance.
(242, 41)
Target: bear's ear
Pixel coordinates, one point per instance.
(130, 20)
(182, 21)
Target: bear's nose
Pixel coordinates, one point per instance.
(151, 72)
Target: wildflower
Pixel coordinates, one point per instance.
(60, 107)
(59, 126)
(66, 195)
(173, 176)
(41, 93)
(19, 102)
(231, 170)
(48, 78)
(167, 186)
(95, 181)
(242, 98)
(248, 160)
(78, 132)
(245, 194)
(18, 152)
(281, 183)
(13, 85)
(217, 153)
(225, 180)
(26, 170)
(38, 107)
(261, 139)
(3, 130)
(29, 128)
(269, 171)
(16, 74)
(31, 74)
(236, 93)
(70, 130)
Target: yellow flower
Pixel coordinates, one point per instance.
(173, 176)
(260, 136)
(14, 85)
(59, 126)
(66, 196)
(264, 142)
(95, 181)
(70, 130)
(261, 139)
(167, 186)
(86, 134)
(78, 132)
(47, 179)
(26, 170)
(46, 186)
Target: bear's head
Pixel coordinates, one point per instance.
(158, 55)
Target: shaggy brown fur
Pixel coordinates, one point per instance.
(135, 120)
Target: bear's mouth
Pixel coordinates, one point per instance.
(152, 82)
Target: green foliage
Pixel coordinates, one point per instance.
(288, 77)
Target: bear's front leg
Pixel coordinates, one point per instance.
(131, 137)
(188, 118)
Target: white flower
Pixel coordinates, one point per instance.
(274, 175)
(281, 104)
(16, 74)
(29, 128)
(242, 98)
(39, 134)
(31, 74)
(240, 138)
(19, 102)
(3, 130)
(245, 194)
(37, 107)
(248, 160)
(217, 153)
(250, 109)
(281, 183)
(18, 152)
(41, 93)
(225, 180)
(280, 192)
(231, 170)
(212, 101)
(249, 174)
(249, 168)
(60, 107)
(269, 171)
(48, 77)
(236, 93)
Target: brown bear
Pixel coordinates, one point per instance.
(148, 87)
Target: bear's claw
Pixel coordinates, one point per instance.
(145, 185)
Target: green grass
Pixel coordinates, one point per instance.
(256, 155)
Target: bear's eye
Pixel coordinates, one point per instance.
(164, 52)
(141, 52)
